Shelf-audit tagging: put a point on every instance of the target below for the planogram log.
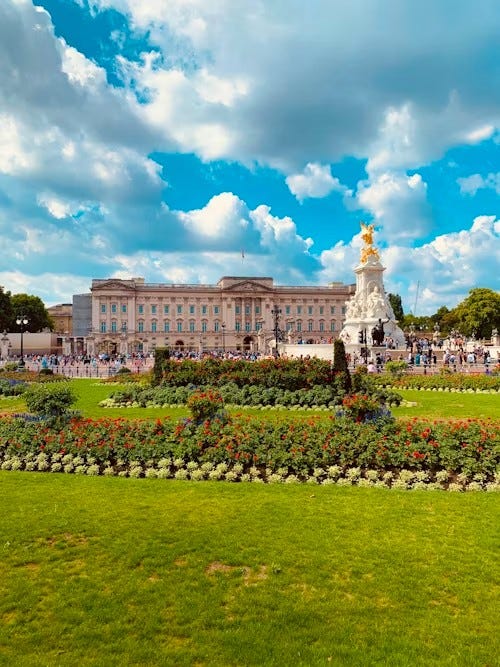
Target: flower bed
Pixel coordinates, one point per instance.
(318, 395)
(452, 455)
(442, 381)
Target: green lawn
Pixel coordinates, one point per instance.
(428, 404)
(110, 571)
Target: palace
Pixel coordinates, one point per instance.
(238, 313)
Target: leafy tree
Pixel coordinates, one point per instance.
(397, 306)
(421, 323)
(5, 310)
(479, 313)
(34, 309)
(340, 364)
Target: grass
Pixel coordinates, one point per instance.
(109, 571)
(428, 404)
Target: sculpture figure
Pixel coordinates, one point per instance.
(368, 250)
(378, 333)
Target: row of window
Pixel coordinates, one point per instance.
(204, 309)
(204, 327)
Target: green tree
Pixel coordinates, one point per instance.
(5, 310)
(479, 313)
(397, 306)
(34, 309)
(340, 364)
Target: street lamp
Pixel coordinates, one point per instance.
(22, 321)
(223, 327)
(276, 312)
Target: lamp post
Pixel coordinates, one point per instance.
(223, 327)
(22, 321)
(276, 312)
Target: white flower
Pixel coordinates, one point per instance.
(93, 470)
(108, 471)
(151, 473)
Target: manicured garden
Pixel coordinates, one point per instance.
(145, 547)
(349, 438)
(118, 572)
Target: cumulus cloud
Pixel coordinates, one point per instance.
(316, 180)
(415, 97)
(469, 185)
(398, 202)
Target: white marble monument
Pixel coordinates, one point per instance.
(369, 311)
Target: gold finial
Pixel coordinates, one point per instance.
(368, 250)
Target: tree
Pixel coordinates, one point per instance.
(340, 364)
(5, 310)
(34, 310)
(397, 306)
(479, 313)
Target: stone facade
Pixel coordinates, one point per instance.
(130, 316)
(62, 316)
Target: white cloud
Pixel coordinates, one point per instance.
(224, 216)
(469, 185)
(316, 180)
(398, 203)
(480, 134)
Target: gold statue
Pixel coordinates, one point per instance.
(368, 250)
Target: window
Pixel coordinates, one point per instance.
(103, 327)
(113, 308)
(124, 327)
(332, 326)
(287, 310)
(247, 327)
(166, 310)
(216, 310)
(309, 310)
(153, 326)
(247, 310)
(257, 310)
(203, 310)
(124, 307)
(299, 325)
(237, 310)
(310, 325)
(153, 310)
(299, 310)
(258, 326)
(179, 325)
(321, 326)
(103, 307)
(343, 310)
(140, 326)
(321, 310)
(166, 326)
(191, 326)
(332, 310)
(204, 326)
(140, 309)
(179, 310)
(238, 325)
(191, 309)
(113, 326)
(289, 326)
(216, 326)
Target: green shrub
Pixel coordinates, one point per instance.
(49, 400)
(396, 368)
(123, 370)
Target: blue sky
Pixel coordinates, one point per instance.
(168, 138)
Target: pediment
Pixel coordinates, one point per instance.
(248, 286)
(112, 284)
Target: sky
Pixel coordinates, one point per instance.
(185, 140)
